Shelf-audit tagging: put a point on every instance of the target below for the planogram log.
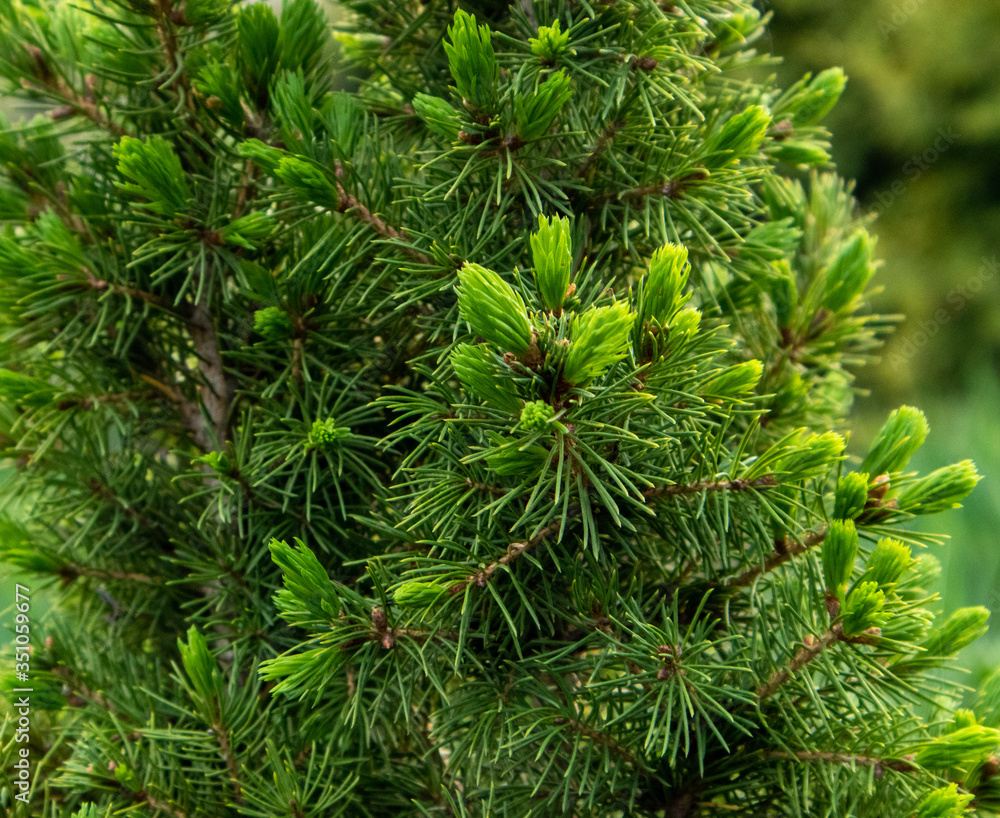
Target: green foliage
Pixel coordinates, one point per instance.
(492, 308)
(598, 338)
(552, 260)
(840, 549)
(896, 442)
(473, 62)
(348, 513)
(536, 111)
(946, 802)
(155, 173)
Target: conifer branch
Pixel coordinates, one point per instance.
(50, 83)
(72, 571)
(218, 393)
(158, 805)
(902, 765)
(222, 736)
(765, 482)
(784, 550)
(182, 310)
(78, 687)
(812, 648)
(597, 737)
(349, 203)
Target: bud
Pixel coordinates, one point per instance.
(967, 745)
(493, 310)
(124, 776)
(551, 43)
(946, 802)
(664, 285)
(888, 562)
(418, 594)
(896, 442)
(262, 154)
(273, 323)
(308, 181)
(849, 272)
(324, 433)
(438, 115)
(800, 152)
(476, 369)
(535, 112)
(247, 230)
(963, 717)
(258, 36)
(840, 549)
(960, 630)
(552, 260)
(740, 136)
(204, 11)
(940, 490)
(217, 461)
(473, 62)
(820, 97)
(851, 496)
(864, 609)
(155, 172)
(600, 338)
(220, 86)
(814, 455)
(735, 381)
(536, 415)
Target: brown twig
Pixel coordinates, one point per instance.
(811, 648)
(765, 482)
(348, 203)
(156, 804)
(902, 765)
(218, 392)
(783, 552)
(597, 737)
(222, 736)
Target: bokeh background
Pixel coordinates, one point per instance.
(918, 128)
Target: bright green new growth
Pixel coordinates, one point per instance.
(493, 310)
(552, 260)
(536, 111)
(896, 442)
(864, 608)
(946, 802)
(888, 562)
(840, 549)
(470, 442)
(851, 496)
(598, 338)
(536, 415)
(473, 62)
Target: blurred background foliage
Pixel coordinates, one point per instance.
(918, 128)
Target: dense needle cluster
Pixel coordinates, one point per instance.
(466, 441)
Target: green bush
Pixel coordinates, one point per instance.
(464, 444)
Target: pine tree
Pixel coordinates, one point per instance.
(468, 442)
